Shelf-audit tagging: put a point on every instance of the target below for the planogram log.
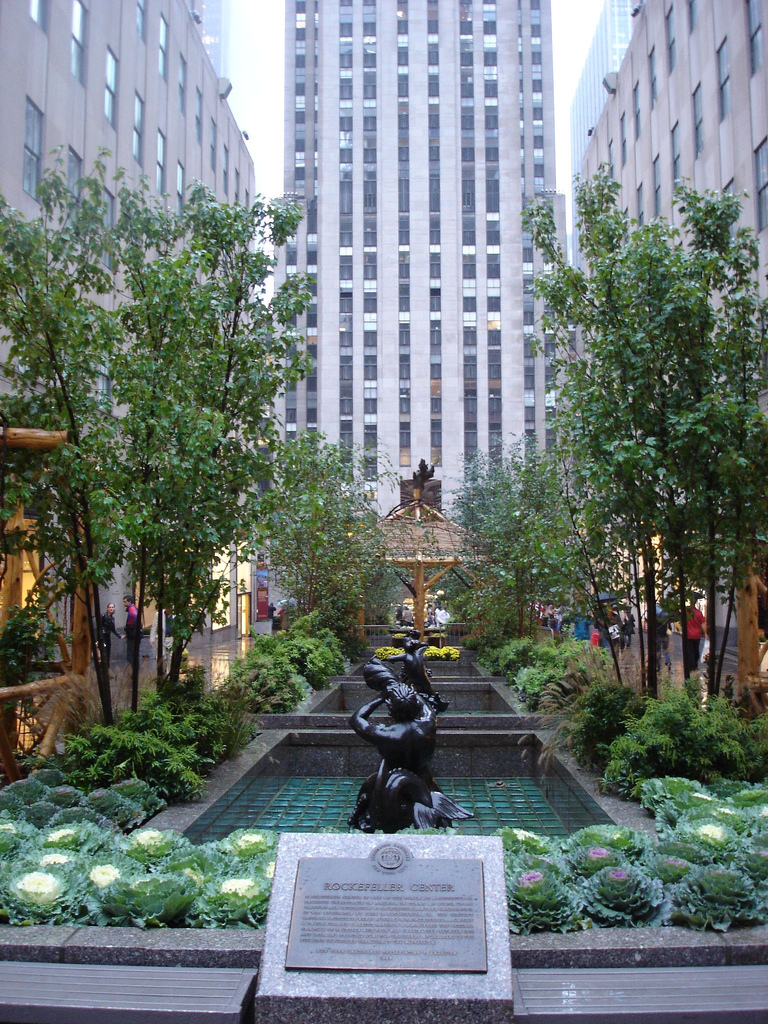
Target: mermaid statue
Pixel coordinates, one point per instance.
(402, 792)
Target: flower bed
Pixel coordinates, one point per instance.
(82, 874)
(431, 653)
(708, 870)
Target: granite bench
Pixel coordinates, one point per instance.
(39, 993)
(648, 995)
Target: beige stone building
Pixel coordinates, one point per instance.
(414, 135)
(132, 77)
(689, 104)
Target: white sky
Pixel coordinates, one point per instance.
(257, 75)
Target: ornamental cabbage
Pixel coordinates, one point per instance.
(239, 902)
(519, 840)
(82, 836)
(150, 901)
(710, 835)
(626, 841)
(733, 817)
(540, 900)
(669, 870)
(65, 796)
(716, 897)
(248, 842)
(150, 845)
(624, 896)
(753, 860)
(121, 809)
(585, 861)
(656, 792)
(42, 896)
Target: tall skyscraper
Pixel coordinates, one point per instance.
(214, 15)
(609, 44)
(402, 130)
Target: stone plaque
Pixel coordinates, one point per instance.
(388, 911)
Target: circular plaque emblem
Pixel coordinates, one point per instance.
(391, 857)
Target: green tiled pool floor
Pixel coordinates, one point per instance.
(301, 804)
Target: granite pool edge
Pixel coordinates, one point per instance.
(189, 947)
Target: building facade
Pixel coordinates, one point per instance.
(128, 76)
(609, 44)
(691, 105)
(403, 125)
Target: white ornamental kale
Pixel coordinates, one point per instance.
(38, 887)
(150, 845)
(519, 840)
(713, 837)
(248, 843)
(148, 901)
(240, 901)
(49, 860)
(103, 875)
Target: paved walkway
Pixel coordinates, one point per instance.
(632, 655)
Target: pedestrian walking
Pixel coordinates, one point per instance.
(108, 628)
(696, 627)
(132, 631)
(628, 626)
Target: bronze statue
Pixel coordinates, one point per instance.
(421, 475)
(415, 671)
(402, 792)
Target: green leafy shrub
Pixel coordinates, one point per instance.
(600, 715)
(531, 681)
(680, 736)
(271, 684)
(717, 897)
(171, 742)
(624, 896)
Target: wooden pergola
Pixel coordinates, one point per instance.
(74, 662)
(422, 540)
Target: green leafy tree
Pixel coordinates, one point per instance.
(660, 423)
(55, 281)
(520, 541)
(206, 357)
(324, 537)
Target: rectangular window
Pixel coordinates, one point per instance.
(656, 188)
(636, 102)
(698, 121)
(676, 155)
(755, 24)
(237, 185)
(138, 129)
(693, 14)
(141, 19)
(640, 208)
(38, 11)
(78, 41)
(623, 140)
(160, 176)
(671, 48)
(74, 171)
(724, 79)
(761, 183)
(182, 85)
(225, 172)
(652, 75)
(162, 55)
(110, 91)
(610, 159)
(179, 188)
(213, 145)
(33, 147)
(199, 117)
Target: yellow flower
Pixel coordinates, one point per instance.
(38, 887)
(103, 875)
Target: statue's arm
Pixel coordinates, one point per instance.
(427, 712)
(359, 719)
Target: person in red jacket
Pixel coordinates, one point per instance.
(696, 628)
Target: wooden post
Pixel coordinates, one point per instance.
(12, 594)
(418, 597)
(81, 635)
(748, 654)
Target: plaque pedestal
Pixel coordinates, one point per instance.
(378, 929)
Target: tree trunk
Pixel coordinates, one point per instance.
(649, 581)
(640, 636)
(138, 631)
(726, 630)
